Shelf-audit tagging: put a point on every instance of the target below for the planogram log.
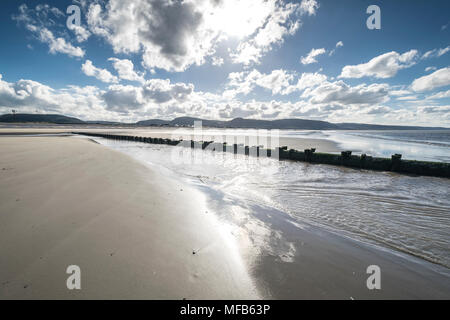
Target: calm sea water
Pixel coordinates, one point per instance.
(428, 145)
(401, 213)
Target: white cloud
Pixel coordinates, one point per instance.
(162, 91)
(125, 70)
(401, 92)
(59, 44)
(81, 33)
(440, 95)
(43, 17)
(159, 98)
(438, 111)
(174, 35)
(152, 93)
(277, 81)
(408, 98)
(377, 110)
(122, 99)
(306, 80)
(276, 22)
(338, 45)
(383, 66)
(217, 61)
(340, 93)
(309, 6)
(439, 78)
(311, 57)
(25, 93)
(430, 69)
(436, 53)
(101, 74)
(31, 97)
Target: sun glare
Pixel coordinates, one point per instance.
(232, 17)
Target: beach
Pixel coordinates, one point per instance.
(132, 232)
(140, 231)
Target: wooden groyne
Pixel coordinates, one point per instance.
(346, 159)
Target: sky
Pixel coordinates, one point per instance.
(222, 59)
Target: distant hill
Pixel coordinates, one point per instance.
(243, 123)
(293, 124)
(153, 122)
(362, 126)
(47, 118)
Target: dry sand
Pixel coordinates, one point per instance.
(66, 201)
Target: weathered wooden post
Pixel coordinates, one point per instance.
(396, 161)
(309, 153)
(345, 156)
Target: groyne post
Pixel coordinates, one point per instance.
(395, 163)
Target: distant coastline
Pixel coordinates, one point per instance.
(237, 123)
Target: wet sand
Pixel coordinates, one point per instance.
(326, 265)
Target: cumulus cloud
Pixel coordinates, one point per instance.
(438, 78)
(125, 70)
(174, 35)
(340, 92)
(306, 80)
(163, 99)
(435, 112)
(311, 57)
(309, 6)
(25, 93)
(31, 96)
(162, 91)
(59, 44)
(440, 95)
(82, 34)
(121, 98)
(377, 110)
(40, 20)
(399, 92)
(275, 22)
(277, 81)
(217, 61)
(101, 74)
(383, 66)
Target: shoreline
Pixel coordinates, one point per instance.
(325, 265)
(331, 255)
(346, 159)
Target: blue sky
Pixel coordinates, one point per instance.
(264, 59)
